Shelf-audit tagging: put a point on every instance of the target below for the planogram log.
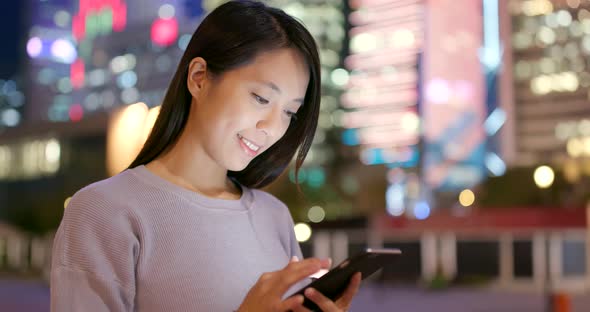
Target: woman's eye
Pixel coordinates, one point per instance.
(292, 115)
(259, 99)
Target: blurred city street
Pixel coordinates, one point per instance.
(31, 296)
(23, 295)
(373, 298)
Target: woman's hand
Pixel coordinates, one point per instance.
(266, 294)
(327, 305)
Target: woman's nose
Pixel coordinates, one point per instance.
(271, 123)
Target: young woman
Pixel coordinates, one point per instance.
(185, 228)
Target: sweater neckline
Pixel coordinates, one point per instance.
(243, 203)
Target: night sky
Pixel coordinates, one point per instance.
(12, 35)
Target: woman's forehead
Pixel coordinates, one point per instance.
(278, 69)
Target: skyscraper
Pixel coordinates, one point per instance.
(550, 46)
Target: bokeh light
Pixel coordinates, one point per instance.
(52, 151)
(10, 117)
(64, 51)
(466, 198)
(34, 47)
(76, 112)
(316, 214)
(422, 210)
(67, 202)
(62, 18)
(394, 199)
(302, 232)
(183, 41)
(544, 176)
(164, 31)
(166, 11)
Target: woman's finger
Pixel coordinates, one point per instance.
(292, 303)
(351, 290)
(321, 301)
(295, 272)
(301, 308)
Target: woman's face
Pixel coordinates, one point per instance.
(238, 115)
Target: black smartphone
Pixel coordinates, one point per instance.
(335, 281)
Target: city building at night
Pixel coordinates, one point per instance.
(550, 47)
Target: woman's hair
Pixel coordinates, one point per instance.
(231, 36)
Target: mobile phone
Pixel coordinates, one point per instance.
(335, 281)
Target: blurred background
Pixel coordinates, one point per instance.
(456, 130)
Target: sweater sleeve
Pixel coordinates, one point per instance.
(94, 256)
(295, 248)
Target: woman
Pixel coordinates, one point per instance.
(185, 228)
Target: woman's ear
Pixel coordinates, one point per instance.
(197, 74)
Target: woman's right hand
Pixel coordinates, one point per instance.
(267, 293)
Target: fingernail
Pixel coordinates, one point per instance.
(309, 292)
(294, 259)
(300, 299)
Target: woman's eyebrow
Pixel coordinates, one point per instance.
(276, 88)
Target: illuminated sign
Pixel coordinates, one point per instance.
(98, 16)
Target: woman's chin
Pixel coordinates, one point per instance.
(238, 166)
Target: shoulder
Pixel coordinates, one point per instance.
(100, 232)
(271, 204)
(118, 184)
(105, 198)
(99, 213)
(267, 199)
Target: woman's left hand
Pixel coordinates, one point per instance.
(341, 304)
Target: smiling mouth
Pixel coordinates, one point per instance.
(248, 144)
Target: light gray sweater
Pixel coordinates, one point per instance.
(136, 242)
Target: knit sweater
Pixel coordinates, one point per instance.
(137, 242)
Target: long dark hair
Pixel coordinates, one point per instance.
(231, 36)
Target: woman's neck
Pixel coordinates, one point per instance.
(191, 168)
